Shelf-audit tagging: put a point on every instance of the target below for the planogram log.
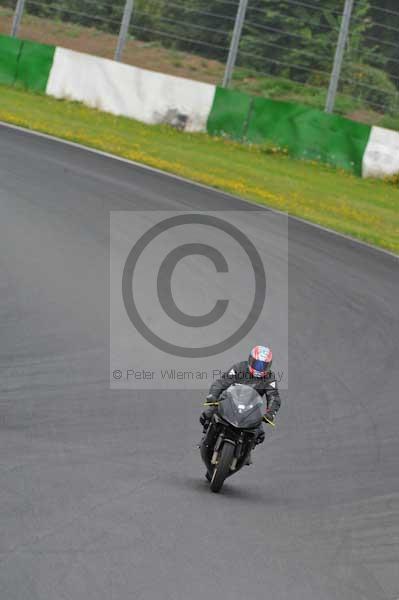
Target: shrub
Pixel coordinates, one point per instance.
(371, 85)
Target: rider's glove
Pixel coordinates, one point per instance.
(210, 399)
(208, 412)
(269, 416)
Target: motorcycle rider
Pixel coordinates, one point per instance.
(256, 372)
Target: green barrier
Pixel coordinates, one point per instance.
(309, 133)
(305, 132)
(10, 49)
(229, 114)
(34, 66)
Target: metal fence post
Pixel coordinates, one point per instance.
(19, 11)
(124, 30)
(235, 42)
(339, 56)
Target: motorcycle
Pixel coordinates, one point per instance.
(232, 432)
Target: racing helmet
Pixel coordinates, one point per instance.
(260, 361)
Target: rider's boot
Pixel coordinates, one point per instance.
(249, 458)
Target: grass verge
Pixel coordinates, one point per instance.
(365, 209)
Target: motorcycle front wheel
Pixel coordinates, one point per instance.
(222, 469)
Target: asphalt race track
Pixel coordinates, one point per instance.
(102, 495)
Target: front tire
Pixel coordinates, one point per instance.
(222, 469)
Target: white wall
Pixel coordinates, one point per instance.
(381, 157)
(121, 89)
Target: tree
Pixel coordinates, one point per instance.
(298, 39)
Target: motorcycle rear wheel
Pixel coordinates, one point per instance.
(222, 469)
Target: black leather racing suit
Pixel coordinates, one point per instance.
(239, 373)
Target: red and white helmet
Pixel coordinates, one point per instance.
(260, 361)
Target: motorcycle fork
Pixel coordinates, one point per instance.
(237, 452)
(216, 449)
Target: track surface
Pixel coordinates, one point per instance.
(97, 500)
